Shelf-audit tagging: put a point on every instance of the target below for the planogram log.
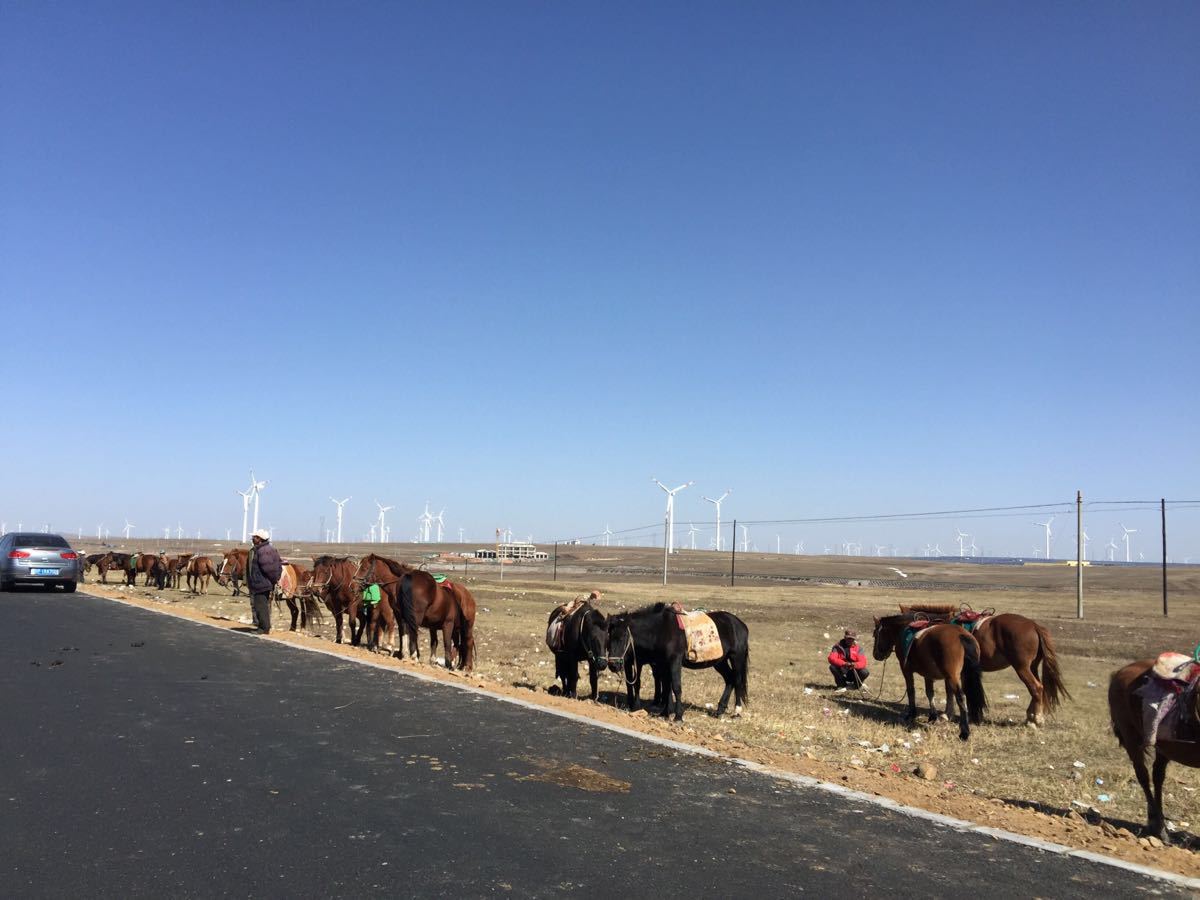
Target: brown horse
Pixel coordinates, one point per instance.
(292, 590)
(332, 582)
(420, 602)
(1007, 640)
(112, 562)
(940, 651)
(176, 566)
(1129, 725)
(233, 569)
(92, 559)
(199, 570)
(140, 564)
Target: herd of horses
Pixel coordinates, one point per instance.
(934, 642)
(411, 596)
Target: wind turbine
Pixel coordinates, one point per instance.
(1125, 538)
(745, 539)
(100, 531)
(608, 533)
(167, 532)
(671, 492)
(1112, 548)
(960, 537)
(246, 495)
(692, 532)
(426, 520)
(1086, 539)
(717, 504)
(128, 528)
(974, 549)
(383, 521)
(372, 533)
(937, 549)
(1046, 525)
(461, 532)
(440, 524)
(800, 548)
(179, 531)
(879, 548)
(256, 487)
(339, 504)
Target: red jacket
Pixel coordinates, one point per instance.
(837, 656)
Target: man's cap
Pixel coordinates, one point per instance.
(262, 533)
(850, 633)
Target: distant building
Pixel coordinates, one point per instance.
(512, 550)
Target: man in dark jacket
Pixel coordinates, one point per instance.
(264, 568)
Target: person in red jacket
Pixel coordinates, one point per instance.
(848, 663)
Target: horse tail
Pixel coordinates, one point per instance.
(743, 675)
(1053, 688)
(312, 609)
(973, 679)
(466, 633)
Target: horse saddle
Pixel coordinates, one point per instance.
(287, 581)
(914, 629)
(1176, 667)
(971, 619)
(703, 639)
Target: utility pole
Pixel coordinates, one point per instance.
(666, 543)
(733, 556)
(1163, 501)
(556, 560)
(1079, 554)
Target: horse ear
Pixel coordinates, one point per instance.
(876, 618)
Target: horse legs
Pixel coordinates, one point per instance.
(933, 713)
(448, 640)
(1033, 715)
(954, 692)
(594, 678)
(674, 685)
(1158, 822)
(571, 678)
(727, 674)
(911, 688)
(293, 609)
(633, 685)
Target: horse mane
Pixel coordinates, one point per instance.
(897, 618)
(396, 568)
(329, 560)
(937, 609)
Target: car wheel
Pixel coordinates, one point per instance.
(69, 587)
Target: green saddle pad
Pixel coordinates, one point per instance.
(439, 578)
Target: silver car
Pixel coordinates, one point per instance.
(32, 558)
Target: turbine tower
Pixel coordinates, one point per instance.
(960, 537)
(246, 495)
(383, 521)
(1112, 549)
(1125, 538)
(441, 524)
(717, 504)
(1046, 525)
(671, 492)
(608, 533)
(256, 487)
(692, 532)
(426, 520)
(129, 528)
(339, 504)
(745, 539)
(1086, 540)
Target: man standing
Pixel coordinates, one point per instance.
(264, 568)
(847, 663)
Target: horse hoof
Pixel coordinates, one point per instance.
(737, 712)
(1030, 723)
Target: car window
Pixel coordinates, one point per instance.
(40, 540)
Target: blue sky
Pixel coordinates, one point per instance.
(517, 259)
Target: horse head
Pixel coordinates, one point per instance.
(620, 641)
(885, 637)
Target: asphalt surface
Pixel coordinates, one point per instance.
(142, 755)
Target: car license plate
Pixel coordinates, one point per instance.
(43, 571)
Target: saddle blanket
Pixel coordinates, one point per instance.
(911, 635)
(1168, 711)
(703, 639)
(970, 622)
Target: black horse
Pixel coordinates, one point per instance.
(584, 637)
(652, 636)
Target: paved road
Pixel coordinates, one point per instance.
(165, 758)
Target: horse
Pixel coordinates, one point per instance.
(112, 562)
(140, 564)
(943, 651)
(584, 635)
(233, 568)
(420, 602)
(199, 570)
(158, 572)
(332, 581)
(176, 566)
(1129, 725)
(92, 559)
(291, 590)
(652, 636)
(1009, 639)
